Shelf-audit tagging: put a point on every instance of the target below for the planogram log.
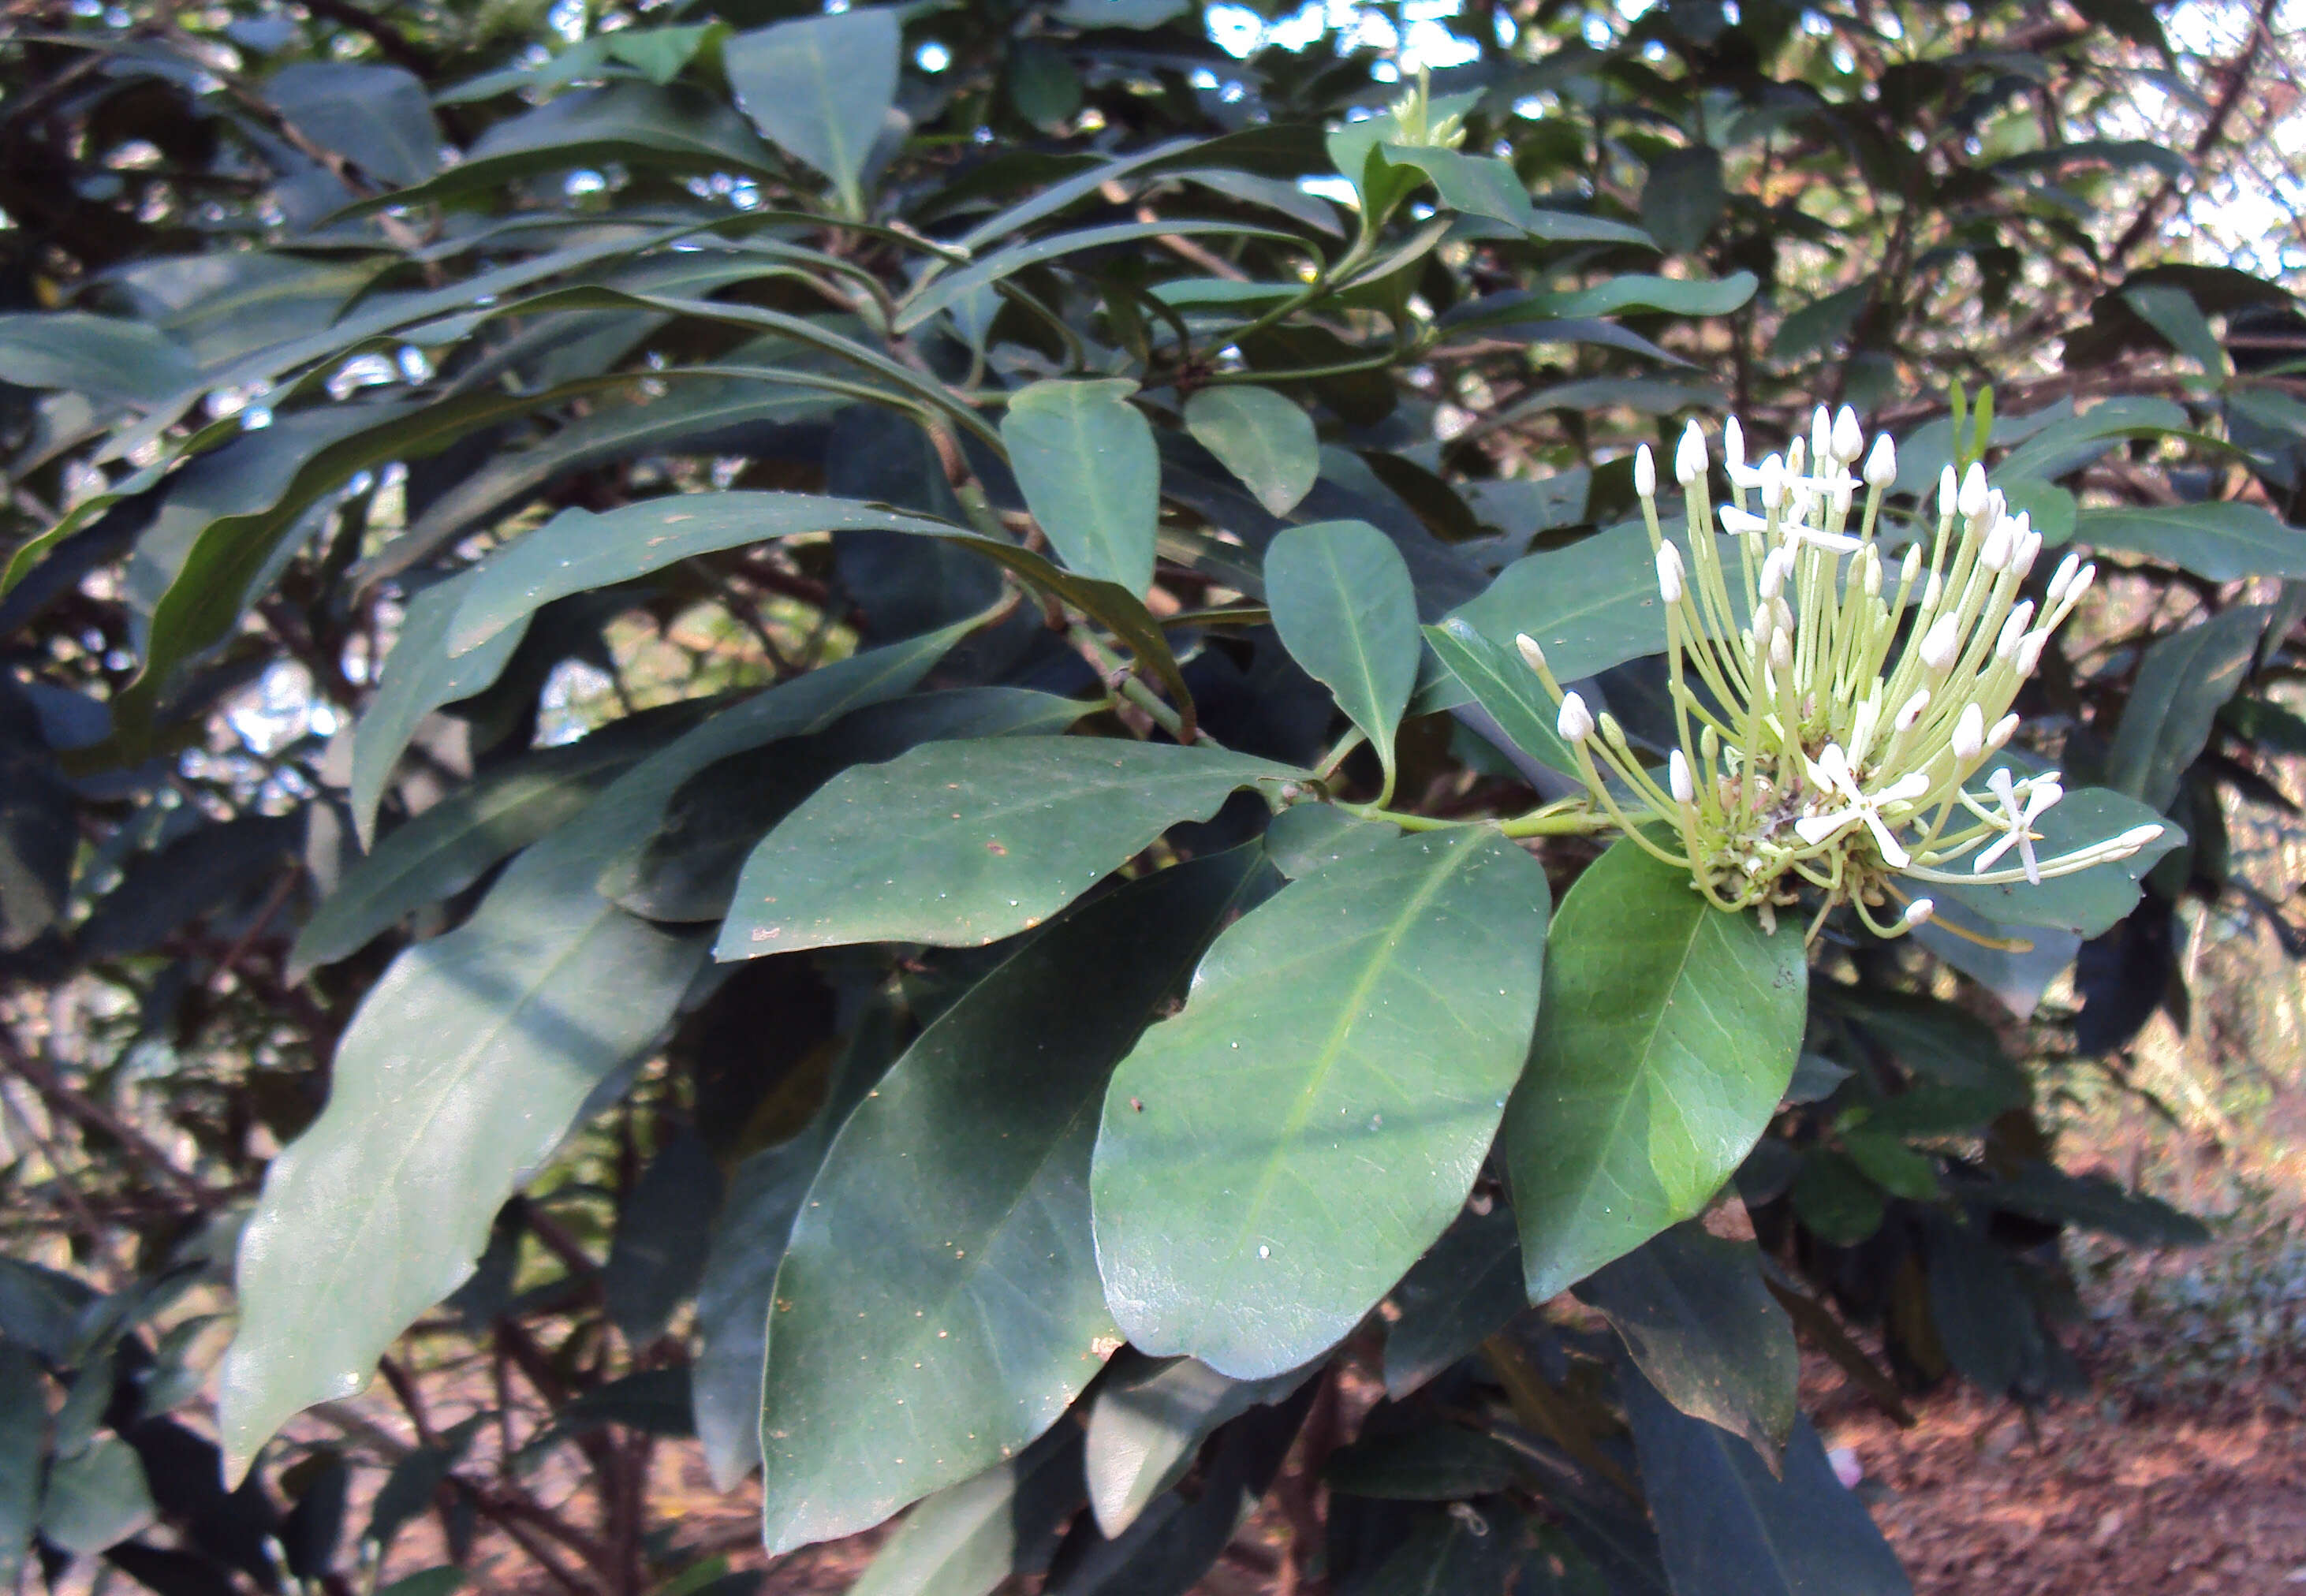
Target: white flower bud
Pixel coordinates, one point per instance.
(1969, 733)
(1912, 712)
(1820, 438)
(1783, 613)
(1971, 499)
(1644, 473)
(1840, 495)
(1773, 480)
(1774, 571)
(1918, 912)
(1531, 655)
(1872, 579)
(2029, 547)
(2029, 651)
(1848, 440)
(2136, 838)
(2080, 584)
(2004, 730)
(1797, 457)
(1689, 458)
(1910, 566)
(1949, 493)
(1942, 643)
(1668, 573)
(1611, 732)
(2013, 630)
(2062, 578)
(1782, 650)
(1575, 722)
(1882, 464)
(1677, 775)
(1995, 555)
(1933, 590)
(1733, 444)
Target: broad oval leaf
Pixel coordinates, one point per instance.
(1276, 1157)
(96, 1497)
(1084, 456)
(1590, 606)
(938, 1305)
(1669, 1034)
(957, 844)
(1262, 436)
(1342, 600)
(821, 87)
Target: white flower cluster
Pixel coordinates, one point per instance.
(1825, 736)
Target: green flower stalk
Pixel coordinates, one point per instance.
(1816, 750)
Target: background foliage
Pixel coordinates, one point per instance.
(522, 523)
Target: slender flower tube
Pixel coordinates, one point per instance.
(1828, 720)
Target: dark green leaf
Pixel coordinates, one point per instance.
(1146, 1426)
(201, 871)
(2183, 681)
(2069, 444)
(1043, 84)
(1668, 1033)
(96, 1497)
(1482, 185)
(379, 117)
(1983, 1320)
(821, 86)
(1465, 1290)
(1932, 1039)
(662, 1232)
(1683, 198)
(968, 1538)
(2171, 310)
(1467, 1551)
(2221, 541)
(443, 1581)
(1314, 1118)
(1262, 438)
(960, 844)
(1307, 837)
(1437, 1463)
(1821, 324)
(108, 358)
(941, 293)
(24, 1415)
(2096, 1203)
(1341, 599)
(1728, 1528)
(1506, 689)
(1834, 1197)
(38, 836)
(1892, 1165)
(1084, 456)
(1695, 1314)
(974, 1315)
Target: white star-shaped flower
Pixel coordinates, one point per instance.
(1831, 770)
(2021, 806)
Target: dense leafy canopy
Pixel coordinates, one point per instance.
(803, 726)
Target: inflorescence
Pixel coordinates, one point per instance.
(1814, 750)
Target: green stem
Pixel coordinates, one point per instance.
(1122, 680)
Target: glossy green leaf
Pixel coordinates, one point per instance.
(1307, 837)
(1668, 1036)
(420, 676)
(968, 1538)
(941, 293)
(1484, 185)
(1695, 1314)
(1678, 297)
(2089, 903)
(1276, 1157)
(1262, 436)
(1728, 1528)
(958, 844)
(466, 1066)
(1683, 197)
(380, 117)
(23, 1418)
(445, 849)
(2220, 541)
(1146, 1426)
(1837, 1201)
(1438, 1463)
(1506, 689)
(1590, 605)
(658, 1255)
(821, 86)
(2071, 442)
(2183, 682)
(96, 1497)
(108, 358)
(1934, 1039)
(688, 870)
(974, 1316)
(2172, 311)
(1084, 456)
(1341, 599)
(1465, 1290)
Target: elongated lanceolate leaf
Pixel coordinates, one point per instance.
(939, 1306)
(1590, 606)
(1084, 456)
(2183, 682)
(1274, 1158)
(1341, 599)
(1668, 1033)
(1148, 1425)
(821, 86)
(957, 844)
(466, 1065)
(968, 1538)
(2223, 543)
